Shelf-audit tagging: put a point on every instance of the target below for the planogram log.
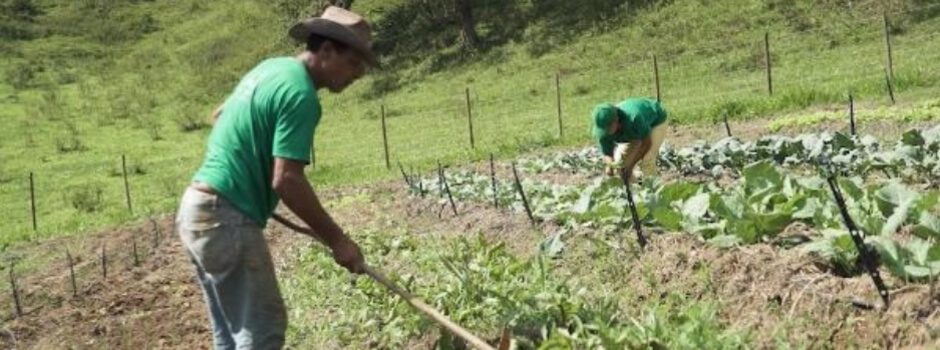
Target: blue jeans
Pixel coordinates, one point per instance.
(235, 271)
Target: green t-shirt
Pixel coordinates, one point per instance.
(639, 117)
(273, 112)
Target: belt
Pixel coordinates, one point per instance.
(204, 188)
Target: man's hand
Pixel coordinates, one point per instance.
(291, 185)
(627, 175)
(346, 253)
(611, 167)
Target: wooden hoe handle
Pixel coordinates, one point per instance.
(410, 298)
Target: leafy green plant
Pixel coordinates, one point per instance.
(755, 208)
(836, 248)
(914, 259)
(914, 157)
(928, 226)
(485, 287)
(926, 111)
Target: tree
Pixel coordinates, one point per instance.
(21, 75)
(468, 31)
(24, 10)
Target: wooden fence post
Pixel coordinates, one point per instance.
(852, 115)
(889, 64)
(890, 86)
(656, 78)
(32, 200)
(16, 293)
(104, 262)
(68, 257)
(470, 119)
(561, 130)
(727, 125)
(388, 162)
(493, 179)
(767, 61)
(127, 188)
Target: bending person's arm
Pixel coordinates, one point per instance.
(295, 191)
(637, 150)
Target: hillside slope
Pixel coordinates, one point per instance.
(88, 81)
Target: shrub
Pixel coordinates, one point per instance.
(86, 198)
(69, 144)
(188, 123)
(21, 75)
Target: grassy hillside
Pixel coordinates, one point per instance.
(87, 81)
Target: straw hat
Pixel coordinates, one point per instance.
(341, 25)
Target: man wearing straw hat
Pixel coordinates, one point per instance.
(628, 133)
(255, 158)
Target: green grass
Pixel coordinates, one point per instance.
(102, 83)
(927, 111)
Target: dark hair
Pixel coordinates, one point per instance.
(315, 41)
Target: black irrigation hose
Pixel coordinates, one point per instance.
(450, 197)
(637, 226)
(404, 175)
(867, 256)
(525, 201)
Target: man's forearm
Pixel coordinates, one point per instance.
(297, 194)
(634, 157)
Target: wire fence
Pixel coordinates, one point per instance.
(76, 193)
(502, 117)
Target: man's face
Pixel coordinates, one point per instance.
(614, 127)
(342, 67)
